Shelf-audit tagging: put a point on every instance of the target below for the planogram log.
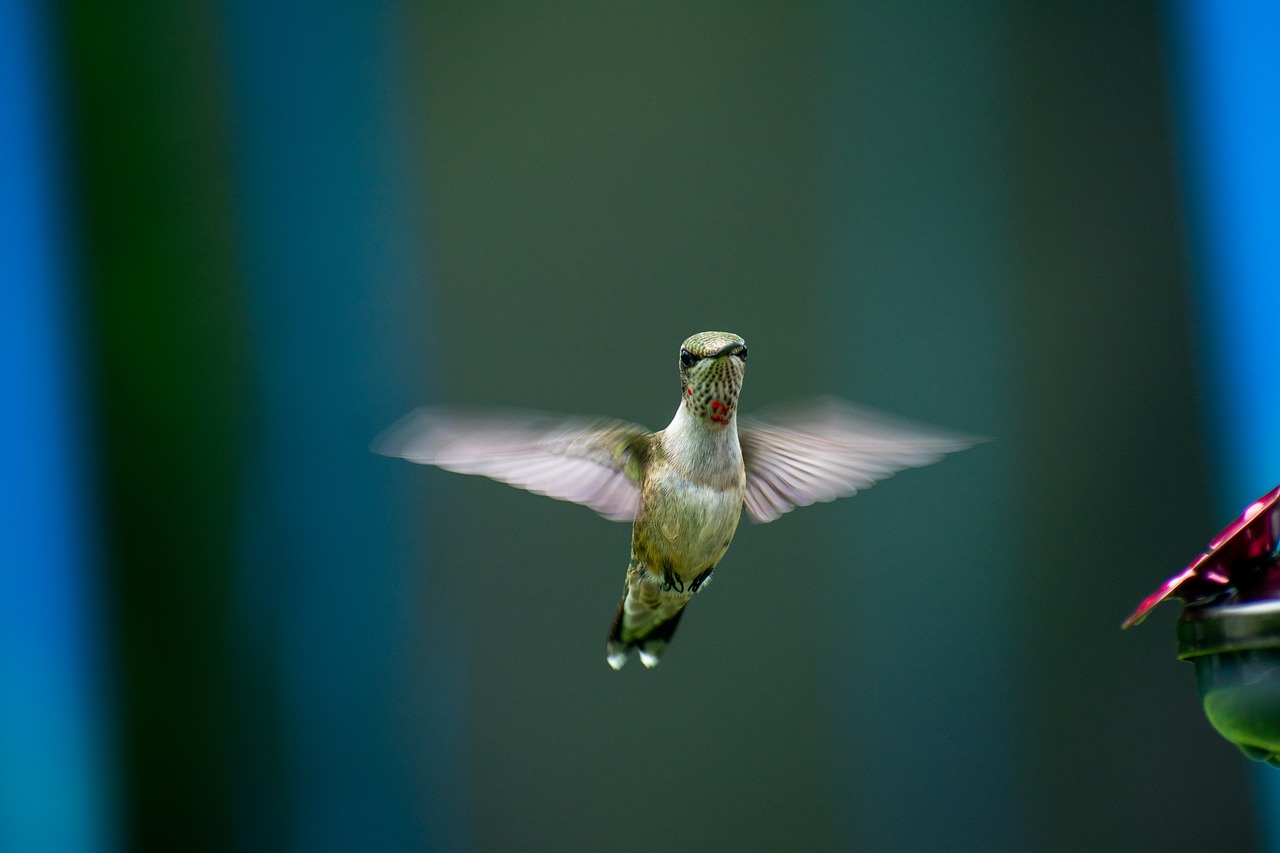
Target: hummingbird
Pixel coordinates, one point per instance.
(684, 487)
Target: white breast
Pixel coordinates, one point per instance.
(690, 525)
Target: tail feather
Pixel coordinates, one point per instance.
(649, 634)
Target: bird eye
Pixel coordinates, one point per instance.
(742, 353)
(687, 358)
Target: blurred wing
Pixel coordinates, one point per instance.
(827, 449)
(594, 462)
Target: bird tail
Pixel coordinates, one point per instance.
(645, 627)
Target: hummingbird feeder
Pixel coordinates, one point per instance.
(1229, 628)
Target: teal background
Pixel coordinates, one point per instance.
(292, 223)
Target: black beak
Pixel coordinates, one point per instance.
(729, 349)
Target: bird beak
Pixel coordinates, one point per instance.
(727, 349)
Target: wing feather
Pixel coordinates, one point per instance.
(829, 449)
(583, 460)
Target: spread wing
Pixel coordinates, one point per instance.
(594, 462)
(828, 449)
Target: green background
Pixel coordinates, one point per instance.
(968, 214)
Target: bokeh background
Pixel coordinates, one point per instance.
(240, 239)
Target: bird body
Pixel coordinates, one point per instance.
(691, 495)
(690, 503)
(684, 488)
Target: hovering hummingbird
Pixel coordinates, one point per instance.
(684, 487)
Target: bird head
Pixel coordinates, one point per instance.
(712, 365)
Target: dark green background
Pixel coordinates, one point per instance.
(968, 214)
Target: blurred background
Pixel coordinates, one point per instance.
(240, 239)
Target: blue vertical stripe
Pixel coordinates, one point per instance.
(1229, 75)
(334, 581)
(1231, 84)
(53, 773)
